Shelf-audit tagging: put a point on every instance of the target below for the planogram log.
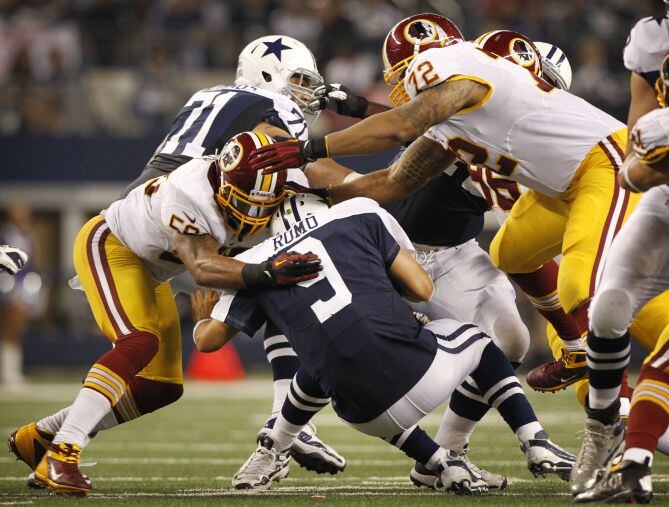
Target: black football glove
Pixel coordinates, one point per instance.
(12, 259)
(285, 269)
(340, 99)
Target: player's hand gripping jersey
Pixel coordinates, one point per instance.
(523, 129)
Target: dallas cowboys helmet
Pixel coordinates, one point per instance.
(556, 67)
(294, 209)
(281, 64)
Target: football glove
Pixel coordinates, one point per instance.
(284, 269)
(12, 259)
(287, 155)
(340, 99)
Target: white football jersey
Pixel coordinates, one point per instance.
(646, 46)
(182, 201)
(650, 135)
(523, 129)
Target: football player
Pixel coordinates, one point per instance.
(636, 271)
(486, 111)
(442, 219)
(124, 259)
(360, 345)
(12, 259)
(276, 80)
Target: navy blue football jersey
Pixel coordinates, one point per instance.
(211, 117)
(443, 212)
(351, 330)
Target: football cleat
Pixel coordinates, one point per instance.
(544, 457)
(309, 451)
(265, 466)
(420, 475)
(29, 444)
(59, 470)
(601, 444)
(559, 374)
(631, 483)
(459, 477)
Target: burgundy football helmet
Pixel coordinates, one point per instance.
(408, 38)
(514, 47)
(247, 197)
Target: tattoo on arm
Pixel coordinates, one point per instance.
(199, 253)
(439, 103)
(423, 160)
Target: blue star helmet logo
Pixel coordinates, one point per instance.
(275, 48)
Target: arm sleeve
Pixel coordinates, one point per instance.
(239, 309)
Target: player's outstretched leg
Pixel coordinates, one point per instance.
(501, 389)
(290, 435)
(608, 356)
(540, 286)
(465, 410)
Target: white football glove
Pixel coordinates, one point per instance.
(12, 259)
(340, 99)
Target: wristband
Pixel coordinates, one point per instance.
(625, 170)
(196, 326)
(256, 276)
(316, 148)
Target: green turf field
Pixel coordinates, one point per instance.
(187, 453)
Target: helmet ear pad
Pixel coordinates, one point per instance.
(246, 197)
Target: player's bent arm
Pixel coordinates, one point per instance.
(410, 278)
(423, 160)
(199, 253)
(644, 99)
(375, 108)
(211, 334)
(409, 121)
(637, 176)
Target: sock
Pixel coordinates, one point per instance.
(528, 431)
(649, 417)
(607, 359)
(465, 409)
(12, 363)
(501, 388)
(52, 423)
(418, 445)
(305, 398)
(638, 455)
(284, 363)
(281, 388)
(88, 409)
(540, 287)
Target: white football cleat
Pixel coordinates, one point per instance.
(459, 476)
(265, 466)
(309, 451)
(544, 457)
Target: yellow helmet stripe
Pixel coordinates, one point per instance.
(267, 178)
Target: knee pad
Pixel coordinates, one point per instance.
(150, 395)
(611, 313)
(512, 337)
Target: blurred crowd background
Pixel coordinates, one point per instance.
(88, 88)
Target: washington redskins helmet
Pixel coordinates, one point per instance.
(514, 47)
(409, 37)
(246, 197)
(662, 83)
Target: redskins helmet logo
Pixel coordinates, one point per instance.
(522, 53)
(231, 155)
(420, 31)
